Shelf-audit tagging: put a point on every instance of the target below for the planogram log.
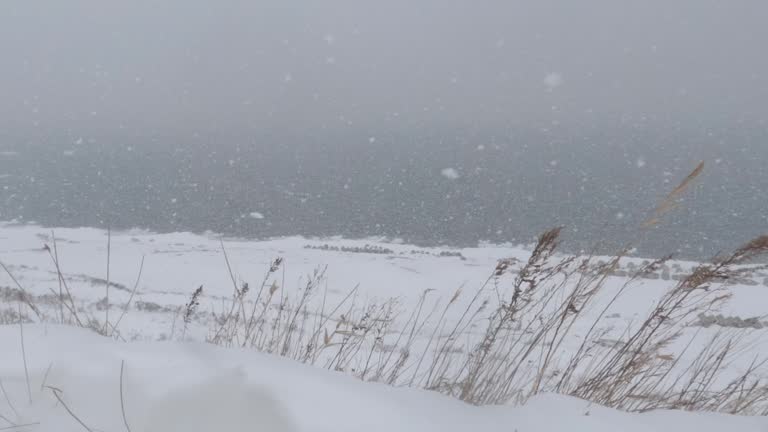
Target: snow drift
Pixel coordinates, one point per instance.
(196, 387)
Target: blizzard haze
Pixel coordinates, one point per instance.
(435, 121)
(383, 215)
(254, 65)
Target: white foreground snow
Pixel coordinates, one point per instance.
(173, 386)
(200, 388)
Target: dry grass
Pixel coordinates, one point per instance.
(670, 201)
(525, 330)
(68, 311)
(638, 376)
(528, 319)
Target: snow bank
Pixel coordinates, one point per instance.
(225, 402)
(197, 387)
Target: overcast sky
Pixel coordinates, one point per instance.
(241, 65)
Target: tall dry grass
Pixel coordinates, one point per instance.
(528, 320)
(528, 328)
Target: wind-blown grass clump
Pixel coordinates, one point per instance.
(528, 319)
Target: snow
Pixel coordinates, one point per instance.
(450, 173)
(195, 387)
(177, 263)
(553, 80)
(256, 215)
(235, 388)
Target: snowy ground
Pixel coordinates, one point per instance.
(196, 387)
(176, 264)
(86, 367)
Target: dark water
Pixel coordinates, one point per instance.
(599, 184)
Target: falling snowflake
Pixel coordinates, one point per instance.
(450, 173)
(640, 163)
(256, 215)
(553, 80)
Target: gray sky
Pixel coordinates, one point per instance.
(181, 65)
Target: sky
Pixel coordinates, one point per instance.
(240, 66)
(428, 120)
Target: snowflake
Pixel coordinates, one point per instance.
(553, 80)
(450, 173)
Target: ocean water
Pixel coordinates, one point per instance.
(453, 188)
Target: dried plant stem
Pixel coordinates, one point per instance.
(122, 398)
(130, 299)
(109, 256)
(58, 277)
(57, 393)
(24, 356)
(45, 377)
(71, 306)
(235, 296)
(25, 297)
(8, 399)
(7, 420)
(668, 203)
(7, 428)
